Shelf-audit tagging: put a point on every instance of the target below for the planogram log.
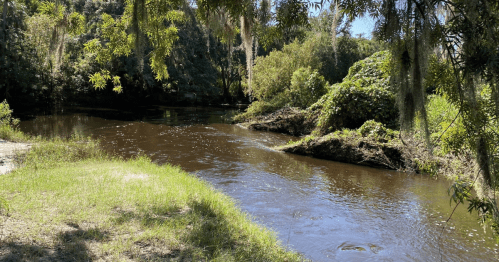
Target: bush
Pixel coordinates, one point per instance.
(307, 87)
(8, 124)
(363, 95)
(446, 130)
(440, 114)
(272, 74)
(6, 115)
(376, 130)
(455, 139)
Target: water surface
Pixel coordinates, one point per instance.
(327, 211)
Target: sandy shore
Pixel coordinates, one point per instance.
(7, 153)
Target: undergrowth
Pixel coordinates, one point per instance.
(8, 125)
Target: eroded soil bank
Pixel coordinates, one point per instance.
(409, 155)
(353, 149)
(357, 151)
(291, 121)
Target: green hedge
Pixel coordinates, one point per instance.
(363, 95)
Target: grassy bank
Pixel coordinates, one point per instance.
(71, 201)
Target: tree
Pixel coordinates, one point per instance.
(20, 71)
(191, 65)
(138, 28)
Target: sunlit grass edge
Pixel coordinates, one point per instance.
(69, 199)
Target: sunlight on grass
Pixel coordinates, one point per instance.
(69, 199)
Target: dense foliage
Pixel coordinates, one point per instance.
(363, 95)
(273, 73)
(126, 52)
(297, 75)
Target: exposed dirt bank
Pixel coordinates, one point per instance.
(292, 121)
(7, 153)
(354, 150)
(359, 151)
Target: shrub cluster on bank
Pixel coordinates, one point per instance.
(357, 119)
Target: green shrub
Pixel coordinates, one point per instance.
(440, 114)
(8, 124)
(6, 115)
(363, 95)
(307, 86)
(454, 140)
(446, 130)
(286, 78)
(272, 74)
(376, 130)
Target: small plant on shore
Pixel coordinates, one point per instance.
(377, 130)
(8, 124)
(429, 167)
(6, 115)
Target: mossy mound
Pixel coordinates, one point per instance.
(363, 95)
(350, 148)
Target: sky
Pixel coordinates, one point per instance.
(364, 25)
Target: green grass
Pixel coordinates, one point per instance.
(9, 133)
(71, 201)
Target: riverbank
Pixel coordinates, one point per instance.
(410, 155)
(371, 145)
(374, 145)
(71, 201)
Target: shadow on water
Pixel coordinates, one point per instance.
(152, 114)
(326, 210)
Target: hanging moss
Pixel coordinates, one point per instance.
(247, 37)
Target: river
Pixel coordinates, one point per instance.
(327, 211)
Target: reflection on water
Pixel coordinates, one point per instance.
(328, 211)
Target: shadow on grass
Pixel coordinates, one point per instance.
(71, 246)
(208, 234)
(214, 232)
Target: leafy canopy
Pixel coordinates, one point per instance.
(132, 32)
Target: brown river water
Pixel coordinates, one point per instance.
(327, 211)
